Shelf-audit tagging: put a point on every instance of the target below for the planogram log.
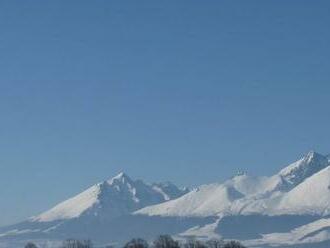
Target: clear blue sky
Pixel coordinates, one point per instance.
(187, 91)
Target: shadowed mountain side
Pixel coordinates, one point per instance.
(246, 227)
(118, 229)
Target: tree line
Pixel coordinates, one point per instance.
(162, 241)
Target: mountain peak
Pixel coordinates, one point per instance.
(121, 174)
(308, 165)
(121, 177)
(312, 155)
(114, 197)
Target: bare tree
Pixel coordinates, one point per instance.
(31, 245)
(136, 243)
(73, 243)
(215, 243)
(233, 244)
(165, 241)
(193, 243)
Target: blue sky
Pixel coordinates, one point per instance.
(186, 91)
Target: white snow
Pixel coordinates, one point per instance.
(229, 197)
(116, 196)
(303, 168)
(203, 201)
(244, 194)
(312, 196)
(72, 207)
(160, 190)
(302, 188)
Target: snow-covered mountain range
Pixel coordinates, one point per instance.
(290, 208)
(112, 198)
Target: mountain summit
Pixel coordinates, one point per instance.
(114, 197)
(297, 172)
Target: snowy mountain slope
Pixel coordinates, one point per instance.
(303, 168)
(206, 200)
(243, 194)
(73, 207)
(117, 196)
(290, 207)
(310, 197)
(93, 213)
(285, 185)
(214, 199)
